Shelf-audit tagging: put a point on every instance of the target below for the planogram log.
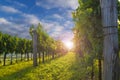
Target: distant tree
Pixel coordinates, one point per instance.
(12, 46)
(17, 48)
(6, 46)
(1, 47)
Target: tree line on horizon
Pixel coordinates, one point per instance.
(14, 45)
(22, 48)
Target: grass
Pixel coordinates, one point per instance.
(66, 67)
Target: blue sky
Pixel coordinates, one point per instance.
(16, 16)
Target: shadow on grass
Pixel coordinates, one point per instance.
(51, 59)
(7, 65)
(23, 73)
(78, 69)
(18, 75)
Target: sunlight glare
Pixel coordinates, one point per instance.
(68, 44)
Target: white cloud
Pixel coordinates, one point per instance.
(63, 35)
(20, 27)
(9, 9)
(4, 21)
(56, 35)
(68, 35)
(57, 16)
(47, 26)
(72, 4)
(16, 3)
(13, 28)
(69, 13)
(31, 19)
(19, 4)
(69, 24)
(57, 30)
(51, 26)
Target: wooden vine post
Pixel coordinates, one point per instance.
(110, 52)
(34, 48)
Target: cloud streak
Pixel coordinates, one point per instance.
(13, 28)
(58, 31)
(31, 19)
(9, 9)
(19, 4)
(4, 21)
(72, 4)
(57, 16)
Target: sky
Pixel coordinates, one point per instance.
(16, 17)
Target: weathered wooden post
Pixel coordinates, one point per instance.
(34, 48)
(109, 18)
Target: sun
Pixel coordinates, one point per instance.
(68, 44)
